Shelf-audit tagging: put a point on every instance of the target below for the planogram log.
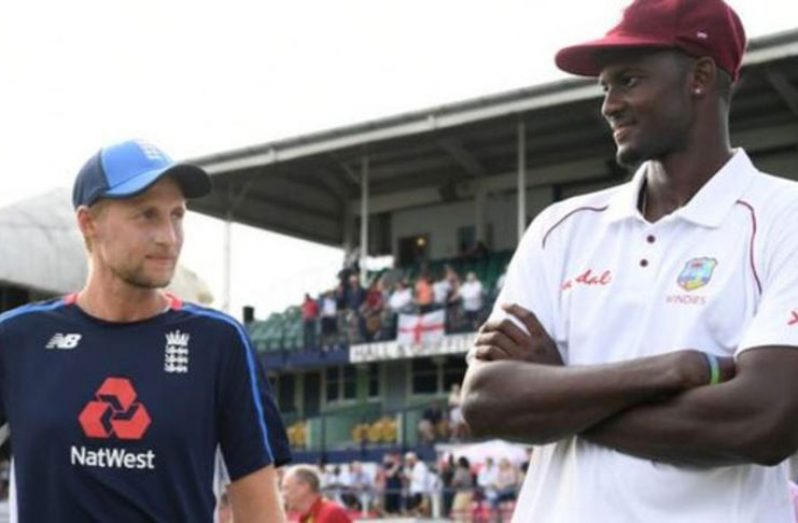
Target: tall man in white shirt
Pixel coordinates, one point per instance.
(651, 341)
(470, 293)
(418, 479)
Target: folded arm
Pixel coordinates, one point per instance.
(516, 387)
(749, 419)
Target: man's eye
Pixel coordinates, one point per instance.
(630, 81)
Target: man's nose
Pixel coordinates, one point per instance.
(612, 105)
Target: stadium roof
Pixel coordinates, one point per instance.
(309, 186)
(43, 250)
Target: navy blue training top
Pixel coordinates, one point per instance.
(121, 421)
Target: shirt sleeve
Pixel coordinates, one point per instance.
(527, 282)
(251, 430)
(776, 319)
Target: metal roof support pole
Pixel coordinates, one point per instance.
(232, 200)
(349, 229)
(521, 178)
(228, 259)
(364, 216)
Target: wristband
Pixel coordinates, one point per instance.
(714, 368)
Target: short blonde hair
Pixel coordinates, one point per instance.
(307, 474)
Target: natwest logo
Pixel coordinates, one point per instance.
(114, 412)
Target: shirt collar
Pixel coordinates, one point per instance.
(707, 207)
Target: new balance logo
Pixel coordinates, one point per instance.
(176, 352)
(63, 341)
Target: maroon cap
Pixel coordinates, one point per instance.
(697, 27)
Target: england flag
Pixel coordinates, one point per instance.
(417, 329)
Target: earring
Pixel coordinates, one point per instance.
(697, 90)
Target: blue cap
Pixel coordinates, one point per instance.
(129, 168)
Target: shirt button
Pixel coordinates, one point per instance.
(650, 238)
(644, 263)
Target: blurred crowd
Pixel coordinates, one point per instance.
(357, 314)
(404, 485)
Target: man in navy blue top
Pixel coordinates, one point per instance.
(118, 397)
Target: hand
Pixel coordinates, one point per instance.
(504, 340)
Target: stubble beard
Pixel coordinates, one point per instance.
(631, 157)
(137, 278)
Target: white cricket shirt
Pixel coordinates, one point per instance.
(719, 274)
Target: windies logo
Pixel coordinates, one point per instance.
(696, 273)
(114, 412)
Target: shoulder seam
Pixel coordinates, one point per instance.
(30, 308)
(568, 215)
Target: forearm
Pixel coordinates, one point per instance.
(710, 426)
(537, 403)
(255, 498)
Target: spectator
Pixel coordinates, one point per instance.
(355, 297)
(355, 294)
(340, 296)
(456, 422)
(360, 488)
(329, 319)
(453, 297)
(419, 482)
(371, 311)
(508, 479)
(401, 301)
(393, 473)
(463, 485)
(310, 314)
(423, 293)
(429, 422)
(447, 469)
(385, 315)
(471, 296)
(451, 275)
(441, 292)
(402, 298)
(328, 477)
(337, 483)
(486, 481)
(301, 488)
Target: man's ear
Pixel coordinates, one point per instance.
(703, 76)
(87, 221)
